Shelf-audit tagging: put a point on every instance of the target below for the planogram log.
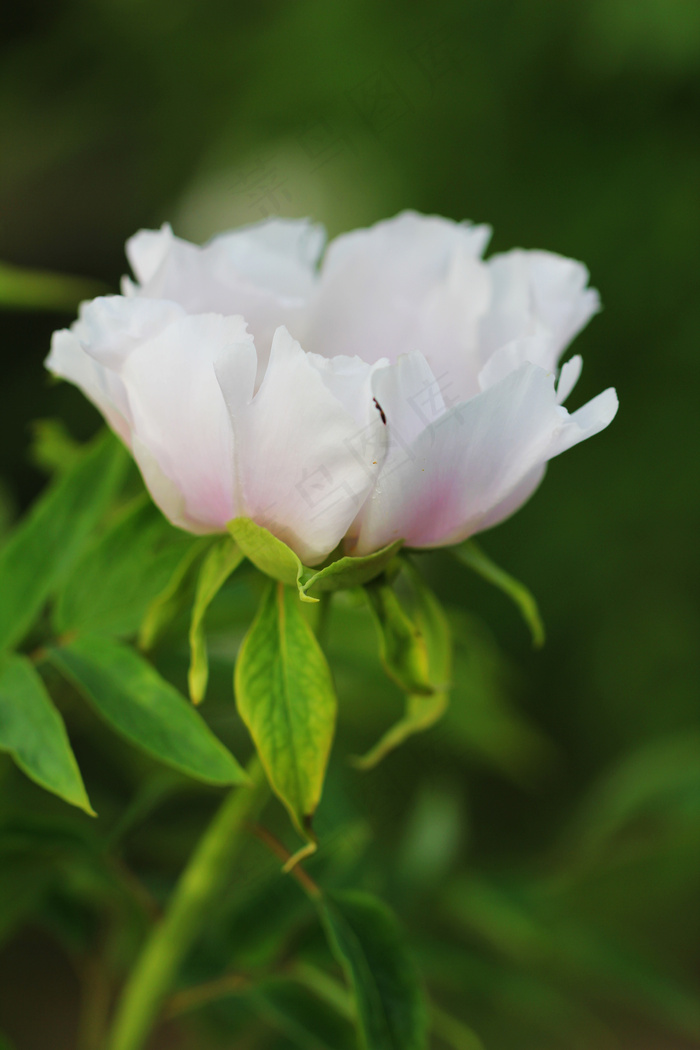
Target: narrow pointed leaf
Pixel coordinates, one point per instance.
(269, 554)
(421, 712)
(32, 731)
(402, 647)
(22, 288)
(352, 572)
(367, 941)
(47, 543)
(175, 596)
(285, 695)
(121, 572)
(221, 560)
(474, 558)
(133, 698)
(53, 449)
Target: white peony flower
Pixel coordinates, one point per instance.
(422, 406)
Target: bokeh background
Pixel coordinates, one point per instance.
(543, 844)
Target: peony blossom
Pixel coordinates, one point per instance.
(404, 389)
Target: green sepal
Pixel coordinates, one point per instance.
(285, 696)
(219, 562)
(32, 731)
(366, 939)
(402, 647)
(421, 711)
(270, 554)
(349, 572)
(471, 555)
(149, 712)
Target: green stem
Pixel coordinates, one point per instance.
(195, 894)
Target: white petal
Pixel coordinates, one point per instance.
(349, 379)
(536, 292)
(264, 272)
(410, 397)
(536, 349)
(69, 360)
(111, 326)
(278, 254)
(147, 251)
(304, 464)
(593, 417)
(412, 283)
(180, 416)
(568, 377)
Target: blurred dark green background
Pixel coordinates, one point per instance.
(568, 126)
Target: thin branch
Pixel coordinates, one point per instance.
(275, 846)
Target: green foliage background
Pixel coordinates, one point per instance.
(542, 844)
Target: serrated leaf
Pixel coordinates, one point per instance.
(49, 540)
(270, 555)
(174, 597)
(133, 698)
(421, 711)
(349, 572)
(32, 731)
(221, 560)
(402, 647)
(22, 288)
(121, 572)
(474, 558)
(367, 941)
(285, 696)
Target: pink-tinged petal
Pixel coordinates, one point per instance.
(180, 417)
(69, 360)
(568, 377)
(304, 464)
(464, 465)
(536, 293)
(515, 499)
(412, 283)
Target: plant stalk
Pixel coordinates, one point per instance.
(196, 893)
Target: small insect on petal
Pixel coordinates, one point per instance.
(380, 410)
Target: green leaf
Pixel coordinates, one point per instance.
(22, 288)
(46, 544)
(421, 711)
(367, 941)
(221, 560)
(53, 449)
(270, 555)
(121, 572)
(32, 731)
(177, 593)
(346, 573)
(285, 696)
(402, 647)
(474, 558)
(133, 698)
